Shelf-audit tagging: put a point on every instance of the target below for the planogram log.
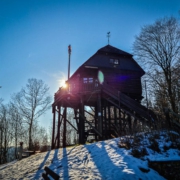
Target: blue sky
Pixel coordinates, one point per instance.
(35, 34)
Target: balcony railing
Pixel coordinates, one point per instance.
(75, 88)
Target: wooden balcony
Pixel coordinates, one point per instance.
(73, 92)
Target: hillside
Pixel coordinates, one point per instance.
(102, 160)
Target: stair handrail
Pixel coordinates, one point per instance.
(128, 101)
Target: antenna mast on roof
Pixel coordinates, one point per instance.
(108, 36)
(69, 52)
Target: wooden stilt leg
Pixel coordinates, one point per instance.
(109, 121)
(64, 130)
(99, 114)
(105, 116)
(96, 120)
(81, 123)
(53, 129)
(58, 131)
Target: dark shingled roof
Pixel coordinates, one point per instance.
(101, 59)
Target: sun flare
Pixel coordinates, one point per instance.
(62, 83)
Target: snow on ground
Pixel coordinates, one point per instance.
(102, 160)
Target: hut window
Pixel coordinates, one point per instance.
(90, 80)
(87, 80)
(114, 61)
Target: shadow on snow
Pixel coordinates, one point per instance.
(40, 170)
(105, 165)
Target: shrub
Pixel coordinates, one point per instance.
(154, 145)
(125, 143)
(139, 152)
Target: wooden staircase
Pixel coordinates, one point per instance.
(129, 105)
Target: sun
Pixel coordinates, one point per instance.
(62, 83)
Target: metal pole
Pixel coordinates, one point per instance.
(69, 52)
(108, 36)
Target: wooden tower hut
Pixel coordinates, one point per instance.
(106, 87)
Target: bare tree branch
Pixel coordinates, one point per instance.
(33, 100)
(157, 48)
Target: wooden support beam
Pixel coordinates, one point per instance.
(115, 116)
(92, 109)
(124, 123)
(115, 130)
(103, 119)
(105, 122)
(89, 113)
(96, 121)
(119, 107)
(72, 125)
(81, 122)
(100, 125)
(58, 130)
(53, 128)
(91, 126)
(64, 129)
(76, 118)
(109, 119)
(120, 122)
(59, 127)
(129, 122)
(134, 125)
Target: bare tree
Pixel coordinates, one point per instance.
(40, 138)
(5, 133)
(17, 126)
(158, 48)
(32, 101)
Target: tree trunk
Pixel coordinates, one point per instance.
(169, 83)
(30, 134)
(1, 153)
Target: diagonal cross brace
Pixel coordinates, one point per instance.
(91, 126)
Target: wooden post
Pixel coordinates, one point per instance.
(105, 116)
(53, 128)
(115, 116)
(135, 124)
(120, 124)
(58, 131)
(81, 122)
(76, 118)
(64, 131)
(96, 120)
(129, 123)
(109, 121)
(123, 123)
(99, 114)
(102, 118)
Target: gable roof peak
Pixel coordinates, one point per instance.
(110, 49)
